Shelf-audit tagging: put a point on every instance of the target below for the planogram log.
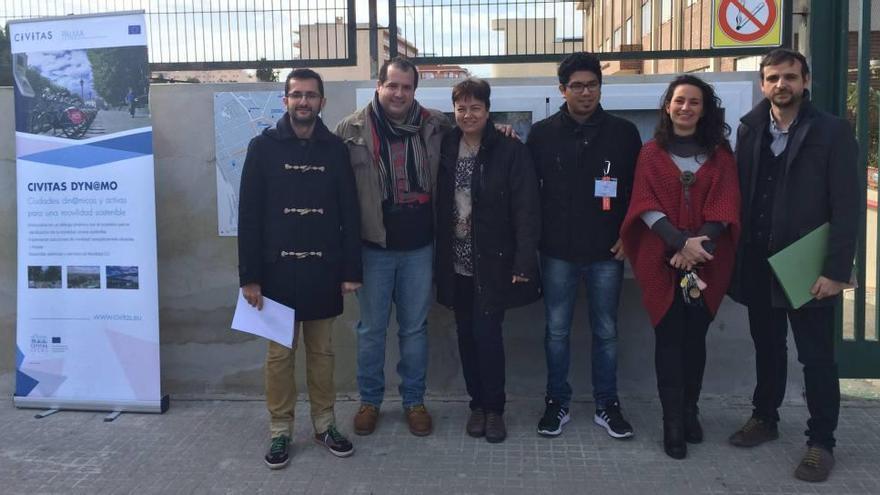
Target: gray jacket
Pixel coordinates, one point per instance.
(356, 131)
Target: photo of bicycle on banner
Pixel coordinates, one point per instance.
(79, 94)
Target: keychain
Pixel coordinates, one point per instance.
(692, 287)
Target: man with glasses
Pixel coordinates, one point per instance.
(395, 149)
(585, 159)
(298, 244)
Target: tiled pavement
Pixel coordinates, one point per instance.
(217, 447)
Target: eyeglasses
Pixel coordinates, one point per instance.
(579, 87)
(311, 96)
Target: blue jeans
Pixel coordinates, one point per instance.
(402, 277)
(603, 280)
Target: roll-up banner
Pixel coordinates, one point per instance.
(88, 318)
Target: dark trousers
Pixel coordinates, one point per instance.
(481, 347)
(813, 330)
(680, 349)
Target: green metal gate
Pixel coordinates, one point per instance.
(858, 348)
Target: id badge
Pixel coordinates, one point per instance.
(606, 188)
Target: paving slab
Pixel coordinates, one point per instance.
(216, 446)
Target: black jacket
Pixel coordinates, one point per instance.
(569, 157)
(819, 183)
(298, 220)
(506, 222)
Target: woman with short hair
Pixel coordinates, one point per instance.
(488, 226)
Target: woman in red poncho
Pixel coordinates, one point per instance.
(680, 234)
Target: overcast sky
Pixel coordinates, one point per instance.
(198, 30)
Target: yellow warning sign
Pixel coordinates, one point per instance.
(746, 23)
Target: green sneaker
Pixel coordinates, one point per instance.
(279, 452)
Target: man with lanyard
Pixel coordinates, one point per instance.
(585, 160)
(395, 149)
(798, 170)
(298, 228)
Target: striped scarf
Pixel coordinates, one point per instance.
(417, 172)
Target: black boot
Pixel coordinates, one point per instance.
(693, 431)
(672, 400)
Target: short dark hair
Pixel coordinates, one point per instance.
(403, 64)
(304, 74)
(472, 87)
(783, 55)
(579, 61)
(712, 130)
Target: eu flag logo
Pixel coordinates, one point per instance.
(56, 340)
(134, 29)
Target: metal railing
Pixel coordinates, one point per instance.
(504, 31)
(858, 348)
(225, 34)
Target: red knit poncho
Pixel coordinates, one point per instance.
(714, 197)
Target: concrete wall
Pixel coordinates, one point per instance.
(201, 357)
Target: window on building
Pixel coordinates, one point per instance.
(628, 31)
(747, 63)
(646, 18)
(688, 3)
(665, 10)
(615, 40)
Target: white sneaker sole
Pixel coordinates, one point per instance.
(604, 424)
(277, 466)
(555, 433)
(337, 453)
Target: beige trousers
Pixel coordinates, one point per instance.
(281, 383)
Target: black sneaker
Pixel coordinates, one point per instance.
(335, 442)
(612, 420)
(555, 417)
(278, 455)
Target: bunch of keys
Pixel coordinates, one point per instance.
(692, 287)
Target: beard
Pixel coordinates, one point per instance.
(793, 99)
(310, 119)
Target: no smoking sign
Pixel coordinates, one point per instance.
(746, 23)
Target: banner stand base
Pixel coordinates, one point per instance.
(53, 405)
(45, 413)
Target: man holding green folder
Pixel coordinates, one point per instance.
(798, 171)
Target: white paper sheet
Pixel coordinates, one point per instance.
(274, 321)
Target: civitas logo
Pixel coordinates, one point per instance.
(39, 343)
(32, 36)
(134, 29)
(73, 34)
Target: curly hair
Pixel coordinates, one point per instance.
(712, 131)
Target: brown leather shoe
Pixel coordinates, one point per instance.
(816, 465)
(496, 432)
(365, 420)
(419, 420)
(755, 432)
(476, 424)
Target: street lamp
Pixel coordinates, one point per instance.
(82, 92)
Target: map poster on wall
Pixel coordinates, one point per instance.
(88, 312)
(238, 118)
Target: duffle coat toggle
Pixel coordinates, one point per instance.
(300, 255)
(304, 168)
(304, 211)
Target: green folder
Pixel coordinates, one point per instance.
(799, 265)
